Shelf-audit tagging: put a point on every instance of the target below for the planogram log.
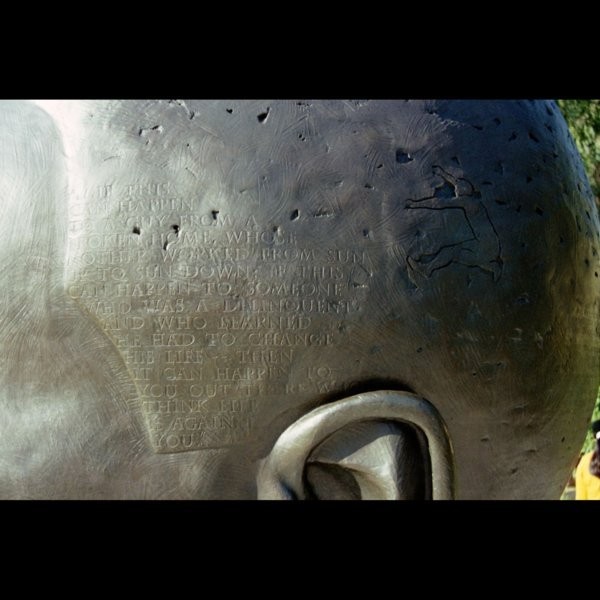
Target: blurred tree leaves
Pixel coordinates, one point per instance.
(583, 118)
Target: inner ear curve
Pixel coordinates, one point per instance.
(329, 481)
(282, 473)
(370, 460)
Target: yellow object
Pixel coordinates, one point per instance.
(587, 486)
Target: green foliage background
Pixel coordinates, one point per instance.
(583, 118)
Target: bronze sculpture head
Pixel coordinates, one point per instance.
(332, 299)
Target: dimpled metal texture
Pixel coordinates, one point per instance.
(181, 281)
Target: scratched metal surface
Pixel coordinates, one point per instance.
(180, 281)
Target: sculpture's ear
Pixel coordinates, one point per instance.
(376, 445)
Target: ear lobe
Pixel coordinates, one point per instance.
(377, 445)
